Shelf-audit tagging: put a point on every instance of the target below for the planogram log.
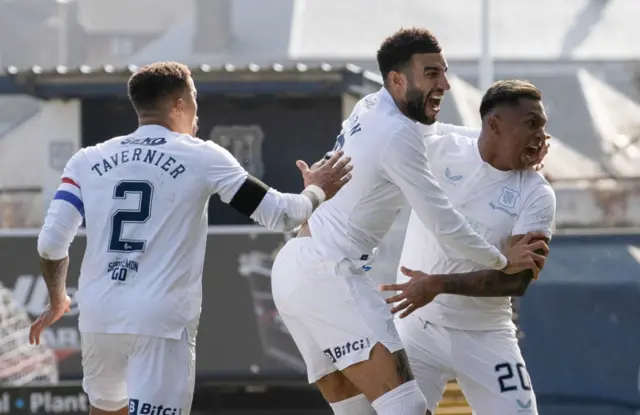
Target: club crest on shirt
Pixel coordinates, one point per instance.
(244, 142)
(507, 200)
(508, 197)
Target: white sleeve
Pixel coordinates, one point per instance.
(443, 128)
(539, 212)
(405, 163)
(283, 211)
(224, 175)
(277, 211)
(64, 215)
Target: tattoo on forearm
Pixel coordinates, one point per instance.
(488, 283)
(402, 366)
(54, 273)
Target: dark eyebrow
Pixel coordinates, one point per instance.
(434, 68)
(539, 115)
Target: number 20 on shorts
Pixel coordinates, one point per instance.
(506, 379)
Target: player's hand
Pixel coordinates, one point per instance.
(536, 162)
(522, 255)
(419, 291)
(318, 164)
(330, 176)
(50, 315)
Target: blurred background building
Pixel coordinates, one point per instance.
(276, 77)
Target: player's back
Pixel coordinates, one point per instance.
(145, 204)
(352, 224)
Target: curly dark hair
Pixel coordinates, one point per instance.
(151, 84)
(397, 50)
(508, 92)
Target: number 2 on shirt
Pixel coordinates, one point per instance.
(121, 216)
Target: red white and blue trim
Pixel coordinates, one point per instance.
(69, 191)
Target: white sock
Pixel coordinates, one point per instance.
(406, 399)
(356, 405)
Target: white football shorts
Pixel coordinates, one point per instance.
(333, 310)
(147, 373)
(487, 364)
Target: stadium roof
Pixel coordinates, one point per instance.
(596, 127)
(352, 30)
(290, 79)
(544, 29)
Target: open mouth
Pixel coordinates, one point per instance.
(532, 150)
(433, 102)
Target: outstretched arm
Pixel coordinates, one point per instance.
(270, 208)
(488, 283)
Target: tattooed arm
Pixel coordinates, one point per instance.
(422, 288)
(63, 219)
(54, 272)
(60, 227)
(489, 283)
(534, 222)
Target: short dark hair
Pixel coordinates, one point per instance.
(508, 93)
(151, 84)
(397, 50)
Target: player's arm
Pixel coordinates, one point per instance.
(267, 206)
(61, 223)
(444, 128)
(405, 163)
(534, 222)
(441, 129)
(488, 283)
(63, 218)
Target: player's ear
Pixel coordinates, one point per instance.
(396, 79)
(179, 104)
(493, 121)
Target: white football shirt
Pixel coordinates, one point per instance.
(497, 204)
(389, 160)
(144, 198)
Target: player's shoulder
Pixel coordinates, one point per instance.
(535, 179)
(208, 153)
(536, 186)
(449, 143)
(380, 111)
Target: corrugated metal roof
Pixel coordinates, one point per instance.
(112, 70)
(126, 16)
(520, 29)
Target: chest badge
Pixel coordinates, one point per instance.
(508, 197)
(507, 201)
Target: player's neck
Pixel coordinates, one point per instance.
(488, 153)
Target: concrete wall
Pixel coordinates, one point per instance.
(34, 154)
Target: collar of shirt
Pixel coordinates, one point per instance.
(429, 129)
(386, 97)
(153, 129)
